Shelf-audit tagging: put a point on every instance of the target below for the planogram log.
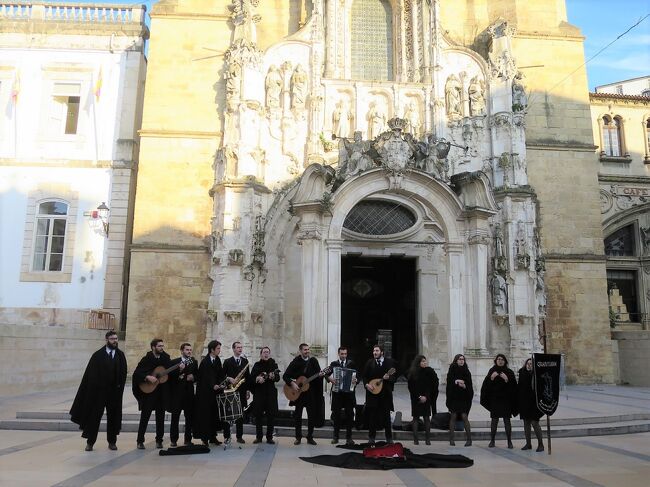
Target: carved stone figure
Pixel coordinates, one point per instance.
(645, 239)
(299, 88)
(341, 118)
(273, 86)
(453, 93)
(376, 120)
(500, 262)
(476, 93)
(356, 155)
(499, 290)
(429, 162)
(519, 98)
(412, 117)
(233, 80)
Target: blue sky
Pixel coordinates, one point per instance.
(601, 21)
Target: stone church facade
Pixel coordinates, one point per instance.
(419, 174)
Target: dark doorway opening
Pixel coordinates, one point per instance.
(378, 305)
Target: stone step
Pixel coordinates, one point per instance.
(478, 433)
(284, 417)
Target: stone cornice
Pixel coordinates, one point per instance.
(180, 134)
(560, 146)
(605, 178)
(605, 98)
(158, 247)
(4, 162)
(576, 258)
(189, 16)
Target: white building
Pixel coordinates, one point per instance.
(634, 86)
(71, 85)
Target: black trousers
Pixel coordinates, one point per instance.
(265, 404)
(343, 402)
(145, 414)
(188, 412)
(312, 412)
(239, 428)
(378, 418)
(112, 406)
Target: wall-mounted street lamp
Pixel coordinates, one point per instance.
(102, 213)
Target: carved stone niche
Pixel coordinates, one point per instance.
(236, 257)
(523, 261)
(233, 316)
(257, 318)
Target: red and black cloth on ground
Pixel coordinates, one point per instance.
(357, 461)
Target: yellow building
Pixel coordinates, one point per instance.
(459, 216)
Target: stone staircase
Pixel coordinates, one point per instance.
(561, 427)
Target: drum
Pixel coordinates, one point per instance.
(343, 377)
(229, 406)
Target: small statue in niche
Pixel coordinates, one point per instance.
(273, 86)
(499, 290)
(540, 292)
(376, 120)
(519, 98)
(476, 93)
(645, 239)
(299, 88)
(354, 155)
(233, 80)
(341, 118)
(412, 117)
(453, 93)
(500, 262)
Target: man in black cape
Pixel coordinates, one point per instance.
(379, 406)
(343, 400)
(206, 417)
(264, 375)
(232, 367)
(181, 395)
(156, 400)
(102, 386)
(312, 400)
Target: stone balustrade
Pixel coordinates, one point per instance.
(97, 13)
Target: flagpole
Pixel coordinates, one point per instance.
(548, 418)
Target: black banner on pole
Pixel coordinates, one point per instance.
(546, 369)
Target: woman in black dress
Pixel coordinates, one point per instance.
(423, 388)
(459, 396)
(528, 405)
(499, 396)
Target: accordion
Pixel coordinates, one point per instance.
(343, 377)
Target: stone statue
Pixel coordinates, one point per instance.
(273, 86)
(376, 120)
(412, 118)
(429, 161)
(476, 93)
(355, 154)
(299, 88)
(499, 290)
(519, 98)
(341, 118)
(453, 92)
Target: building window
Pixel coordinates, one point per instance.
(379, 218)
(611, 136)
(625, 283)
(64, 109)
(621, 243)
(49, 236)
(372, 40)
(619, 89)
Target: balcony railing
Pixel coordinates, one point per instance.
(73, 12)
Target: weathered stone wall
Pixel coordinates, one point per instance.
(634, 357)
(50, 357)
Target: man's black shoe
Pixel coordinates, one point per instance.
(89, 447)
(240, 440)
(159, 444)
(335, 440)
(257, 440)
(297, 441)
(270, 441)
(311, 441)
(140, 445)
(112, 446)
(349, 442)
(173, 444)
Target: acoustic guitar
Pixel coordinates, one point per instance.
(303, 385)
(378, 384)
(160, 373)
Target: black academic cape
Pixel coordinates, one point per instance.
(100, 381)
(265, 395)
(231, 369)
(205, 413)
(424, 383)
(306, 368)
(498, 396)
(526, 401)
(158, 398)
(181, 390)
(459, 400)
(372, 371)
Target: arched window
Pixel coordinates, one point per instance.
(612, 136)
(372, 40)
(49, 236)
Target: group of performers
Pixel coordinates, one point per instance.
(181, 385)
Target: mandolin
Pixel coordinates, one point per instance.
(378, 384)
(303, 385)
(160, 373)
